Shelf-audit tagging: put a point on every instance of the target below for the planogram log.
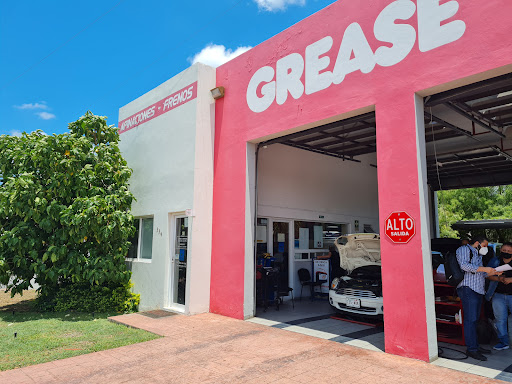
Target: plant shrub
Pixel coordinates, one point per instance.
(65, 209)
(83, 297)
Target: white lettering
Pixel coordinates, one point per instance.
(138, 118)
(316, 81)
(355, 54)
(259, 104)
(401, 36)
(389, 225)
(431, 34)
(409, 224)
(151, 112)
(289, 70)
(178, 98)
(167, 103)
(354, 41)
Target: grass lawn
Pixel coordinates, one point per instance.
(29, 337)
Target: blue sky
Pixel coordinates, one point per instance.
(104, 54)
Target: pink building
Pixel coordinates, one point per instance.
(362, 110)
(384, 61)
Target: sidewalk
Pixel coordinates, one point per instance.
(209, 348)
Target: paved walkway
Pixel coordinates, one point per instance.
(315, 319)
(209, 348)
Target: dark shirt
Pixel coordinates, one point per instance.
(488, 257)
(335, 265)
(505, 288)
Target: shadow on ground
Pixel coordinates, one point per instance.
(21, 308)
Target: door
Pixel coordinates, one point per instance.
(281, 249)
(179, 257)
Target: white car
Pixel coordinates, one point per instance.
(360, 290)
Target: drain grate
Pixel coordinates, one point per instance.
(157, 314)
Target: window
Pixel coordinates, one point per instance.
(311, 237)
(142, 242)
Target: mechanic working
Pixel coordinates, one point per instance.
(334, 256)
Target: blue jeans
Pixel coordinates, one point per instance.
(471, 305)
(501, 306)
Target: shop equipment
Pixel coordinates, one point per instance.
(269, 290)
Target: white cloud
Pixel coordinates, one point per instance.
(277, 5)
(215, 55)
(32, 106)
(15, 132)
(45, 115)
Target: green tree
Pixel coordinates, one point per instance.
(475, 204)
(64, 208)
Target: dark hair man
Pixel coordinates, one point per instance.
(471, 290)
(500, 290)
(334, 256)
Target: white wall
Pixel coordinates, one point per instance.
(250, 195)
(426, 228)
(294, 182)
(172, 161)
(301, 185)
(199, 267)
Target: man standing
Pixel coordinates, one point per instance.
(471, 290)
(500, 290)
(334, 256)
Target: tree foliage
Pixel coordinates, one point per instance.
(475, 204)
(64, 207)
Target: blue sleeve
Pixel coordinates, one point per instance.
(494, 262)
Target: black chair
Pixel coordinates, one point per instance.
(305, 279)
(285, 292)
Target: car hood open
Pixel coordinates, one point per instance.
(358, 250)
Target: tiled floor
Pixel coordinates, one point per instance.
(313, 318)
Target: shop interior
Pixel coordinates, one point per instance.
(314, 187)
(467, 145)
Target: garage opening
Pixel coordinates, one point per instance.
(468, 145)
(317, 224)
(317, 185)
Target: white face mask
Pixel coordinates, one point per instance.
(483, 251)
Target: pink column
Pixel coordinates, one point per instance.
(228, 242)
(408, 314)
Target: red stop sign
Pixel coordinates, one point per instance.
(400, 227)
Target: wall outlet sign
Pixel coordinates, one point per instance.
(269, 84)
